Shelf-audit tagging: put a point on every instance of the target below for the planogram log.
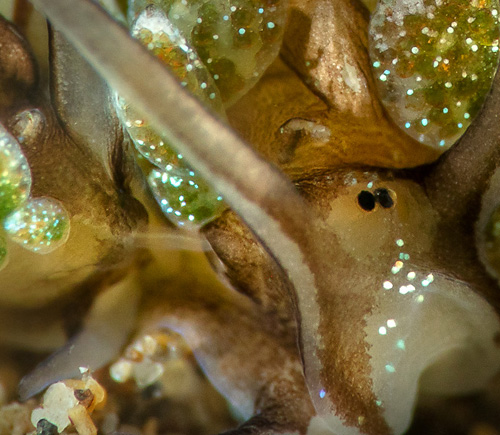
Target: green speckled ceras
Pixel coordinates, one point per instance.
(434, 62)
(218, 50)
(40, 225)
(15, 176)
(236, 39)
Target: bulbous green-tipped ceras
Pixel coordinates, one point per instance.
(199, 204)
(15, 176)
(237, 39)
(153, 29)
(434, 63)
(184, 197)
(41, 225)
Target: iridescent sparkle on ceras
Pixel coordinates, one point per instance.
(40, 225)
(218, 50)
(15, 175)
(185, 197)
(434, 62)
(15, 182)
(187, 201)
(236, 39)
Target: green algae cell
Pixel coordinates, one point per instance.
(434, 63)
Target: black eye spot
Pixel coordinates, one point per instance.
(384, 197)
(366, 200)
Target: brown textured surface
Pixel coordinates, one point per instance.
(18, 74)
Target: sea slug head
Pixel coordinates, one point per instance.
(389, 320)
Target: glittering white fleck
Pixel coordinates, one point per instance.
(390, 368)
(387, 285)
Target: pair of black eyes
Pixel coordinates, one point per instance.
(368, 200)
